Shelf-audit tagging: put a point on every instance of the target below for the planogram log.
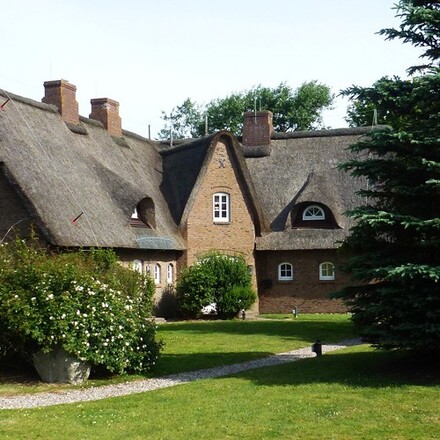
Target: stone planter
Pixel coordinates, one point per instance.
(60, 367)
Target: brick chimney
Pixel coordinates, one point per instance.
(106, 111)
(62, 94)
(257, 128)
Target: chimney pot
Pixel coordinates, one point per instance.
(106, 111)
(257, 128)
(62, 94)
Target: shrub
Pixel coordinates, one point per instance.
(194, 289)
(212, 280)
(235, 299)
(84, 302)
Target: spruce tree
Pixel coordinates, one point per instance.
(393, 250)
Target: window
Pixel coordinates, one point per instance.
(137, 265)
(313, 212)
(170, 273)
(221, 212)
(144, 214)
(157, 274)
(327, 271)
(285, 272)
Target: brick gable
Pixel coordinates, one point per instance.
(202, 234)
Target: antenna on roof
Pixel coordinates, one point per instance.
(149, 131)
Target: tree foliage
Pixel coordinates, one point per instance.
(298, 109)
(219, 279)
(393, 250)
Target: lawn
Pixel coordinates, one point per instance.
(195, 345)
(357, 393)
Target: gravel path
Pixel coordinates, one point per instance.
(141, 386)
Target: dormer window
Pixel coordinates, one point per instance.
(312, 215)
(144, 214)
(313, 212)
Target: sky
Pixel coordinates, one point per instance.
(152, 55)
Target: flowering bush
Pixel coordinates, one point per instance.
(84, 302)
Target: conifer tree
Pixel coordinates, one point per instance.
(394, 249)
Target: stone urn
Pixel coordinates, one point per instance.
(58, 366)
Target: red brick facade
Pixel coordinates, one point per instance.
(305, 291)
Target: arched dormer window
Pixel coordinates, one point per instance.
(312, 215)
(327, 271)
(313, 212)
(285, 272)
(144, 214)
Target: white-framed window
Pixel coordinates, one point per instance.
(285, 272)
(220, 208)
(170, 273)
(137, 265)
(313, 212)
(326, 271)
(157, 273)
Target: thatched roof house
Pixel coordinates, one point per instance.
(277, 199)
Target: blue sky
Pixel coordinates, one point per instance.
(151, 55)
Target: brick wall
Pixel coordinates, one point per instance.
(306, 291)
(165, 304)
(202, 233)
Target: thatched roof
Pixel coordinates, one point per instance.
(302, 167)
(65, 171)
(185, 166)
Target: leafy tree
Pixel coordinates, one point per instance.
(394, 248)
(185, 121)
(298, 109)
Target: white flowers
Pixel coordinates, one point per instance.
(49, 297)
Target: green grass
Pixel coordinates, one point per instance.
(356, 393)
(195, 345)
